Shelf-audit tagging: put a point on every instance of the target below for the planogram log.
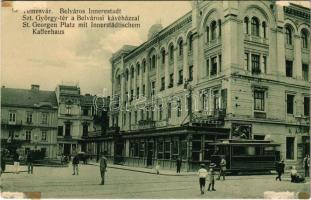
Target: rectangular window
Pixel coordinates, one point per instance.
(305, 72)
(180, 77)
(259, 100)
(152, 88)
(290, 142)
(162, 83)
(29, 117)
(290, 104)
(137, 92)
(171, 80)
(144, 88)
(160, 112)
(67, 129)
(60, 131)
(289, 68)
(169, 110)
(44, 118)
(178, 108)
(205, 101)
(216, 100)
(246, 61)
(28, 135)
(43, 135)
(190, 72)
(255, 64)
(219, 61)
(264, 63)
(214, 66)
(135, 116)
(207, 67)
(12, 117)
(306, 106)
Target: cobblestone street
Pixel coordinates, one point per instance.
(59, 183)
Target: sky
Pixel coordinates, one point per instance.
(79, 57)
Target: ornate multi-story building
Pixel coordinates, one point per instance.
(80, 117)
(29, 121)
(231, 69)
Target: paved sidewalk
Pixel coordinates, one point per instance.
(147, 170)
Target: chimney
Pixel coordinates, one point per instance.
(35, 87)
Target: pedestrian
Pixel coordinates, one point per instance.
(223, 168)
(178, 164)
(29, 161)
(103, 167)
(211, 177)
(280, 169)
(2, 162)
(157, 168)
(16, 162)
(306, 164)
(295, 178)
(75, 165)
(202, 173)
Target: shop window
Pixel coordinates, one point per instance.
(290, 142)
(142, 149)
(183, 149)
(167, 150)
(160, 149)
(175, 149)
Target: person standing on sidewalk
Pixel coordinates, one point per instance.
(29, 161)
(16, 162)
(306, 165)
(202, 173)
(223, 168)
(280, 169)
(103, 168)
(75, 165)
(178, 164)
(211, 177)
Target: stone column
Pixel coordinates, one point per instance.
(297, 68)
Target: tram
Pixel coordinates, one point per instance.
(246, 155)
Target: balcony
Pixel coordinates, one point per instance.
(13, 124)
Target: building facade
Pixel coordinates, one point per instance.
(29, 121)
(231, 69)
(78, 115)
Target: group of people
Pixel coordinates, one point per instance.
(210, 174)
(295, 178)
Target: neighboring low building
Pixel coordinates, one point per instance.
(29, 120)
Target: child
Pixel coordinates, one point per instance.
(202, 177)
(211, 177)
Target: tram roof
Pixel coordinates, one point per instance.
(244, 142)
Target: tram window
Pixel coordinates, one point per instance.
(268, 150)
(239, 151)
(257, 150)
(250, 151)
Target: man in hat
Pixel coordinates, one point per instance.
(202, 177)
(211, 176)
(103, 166)
(280, 169)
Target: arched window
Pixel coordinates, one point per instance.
(213, 30)
(246, 25)
(138, 69)
(288, 33)
(132, 72)
(127, 75)
(304, 38)
(190, 42)
(207, 34)
(144, 66)
(255, 26)
(171, 52)
(264, 29)
(163, 56)
(219, 27)
(181, 47)
(153, 61)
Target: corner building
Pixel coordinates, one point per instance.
(232, 69)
